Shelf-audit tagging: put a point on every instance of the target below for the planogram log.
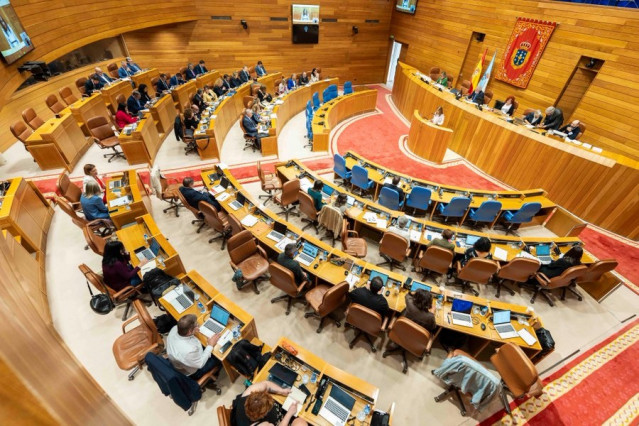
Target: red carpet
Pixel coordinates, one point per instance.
(600, 385)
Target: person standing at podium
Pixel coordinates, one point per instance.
(438, 116)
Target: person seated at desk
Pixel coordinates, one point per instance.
(445, 241)
(226, 82)
(219, 88)
(102, 77)
(122, 117)
(394, 185)
(438, 117)
(91, 85)
(135, 68)
(117, 269)
(257, 110)
(533, 118)
(193, 196)
(91, 175)
(259, 69)
(480, 249)
(401, 228)
(571, 130)
(282, 88)
(316, 194)
(208, 95)
(291, 84)
(251, 128)
(190, 122)
(235, 80)
(303, 79)
(92, 204)
(200, 68)
(124, 71)
(443, 79)
(287, 260)
(185, 350)
(341, 203)
(370, 296)
(256, 407)
(419, 309)
(557, 267)
(263, 95)
(133, 104)
(509, 106)
(477, 97)
(190, 72)
(145, 99)
(198, 100)
(315, 76)
(245, 75)
(176, 80)
(553, 120)
(162, 85)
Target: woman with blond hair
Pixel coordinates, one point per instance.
(256, 407)
(92, 204)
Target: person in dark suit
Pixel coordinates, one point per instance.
(571, 130)
(145, 98)
(259, 69)
(124, 71)
(286, 259)
(533, 118)
(477, 97)
(193, 196)
(394, 185)
(568, 260)
(200, 68)
(509, 106)
(219, 88)
(244, 74)
(92, 84)
(198, 100)
(133, 67)
(133, 104)
(263, 95)
(176, 80)
(235, 80)
(226, 82)
(370, 296)
(250, 125)
(553, 120)
(102, 77)
(162, 85)
(190, 72)
(303, 79)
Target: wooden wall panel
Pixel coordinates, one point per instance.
(438, 35)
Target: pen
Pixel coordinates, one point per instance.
(448, 317)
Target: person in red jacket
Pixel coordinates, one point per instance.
(122, 117)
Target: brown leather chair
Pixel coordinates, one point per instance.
(529, 110)
(21, 132)
(95, 242)
(112, 69)
(236, 225)
(324, 300)
(409, 336)
(276, 86)
(249, 141)
(394, 249)
(31, 118)
(126, 296)
(451, 78)
(307, 207)
(246, 100)
(269, 181)
(183, 72)
(477, 271)
(120, 99)
(252, 73)
(223, 416)
(79, 84)
(170, 194)
(54, 104)
(69, 190)
(488, 96)
(284, 279)
(288, 197)
(130, 348)
(247, 256)
(218, 221)
(465, 87)
(434, 259)
(199, 218)
(518, 270)
(582, 130)
(367, 322)
(515, 106)
(104, 136)
(102, 227)
(67, 95)
(154, 83)
(351, 243)
(565, 281)
(596, 270)
(434, 73)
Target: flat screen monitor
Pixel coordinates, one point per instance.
(14, 43)
(406, 6)
(305, 14)
(305, 26)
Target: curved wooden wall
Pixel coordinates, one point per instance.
(439, 33)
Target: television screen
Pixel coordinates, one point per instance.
(305, 14)
(14, 43)
(406, 6)
(305, 34)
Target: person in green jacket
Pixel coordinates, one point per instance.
(316, 194)
(443, 79)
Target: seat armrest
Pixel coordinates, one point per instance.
(392, 322)
(457, 352)
(153, 348)
(350, 252)
(262, 252)
(127, 322)
(542, 279)
(127, 291)
(458, 266)
(351, 232)
(301, 287)
(385, 323)
(233, 265)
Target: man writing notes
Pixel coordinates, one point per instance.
(553, 120)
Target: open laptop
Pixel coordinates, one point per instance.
(338, 406)
(470, 240)
(181, 298)
(115, 184)
(282, 375)
(218, 320)
(278, 232)
(308, 254)
(374, 274)
(327, 191)
(239, 201)
(461, 315)
(150, 252)
(542, 251)
(501, 320)
(416, 285)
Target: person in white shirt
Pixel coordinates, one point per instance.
(185, 350)
(401, 228)
(315, 76)
(438, 117)
(91, 175)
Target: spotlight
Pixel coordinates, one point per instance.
(355, 29)
(244, 24)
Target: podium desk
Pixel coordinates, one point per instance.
(427, 140)
(58, 144)
(145, 77)
(182, 94)
(142, 145)
(110, 94)
(139, 205)
(85, 108)
(163, 113)
(207, 79)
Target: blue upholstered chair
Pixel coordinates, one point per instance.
(316, 101)
(309, 110)
(348, 87)
(389, 198)
(487, 212)
(339, 168)
(359, 179)
(456, 208)
(330, 93)
(419, 198)
(524, 215)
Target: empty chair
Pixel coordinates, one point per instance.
(487, 212)
(340, 170)
(596, 270)
(31, 118)
(477, 271)
(95, 242)
(199, 218)
(224, 416)
(236, 225)
(112, 69)
(67, 95)
(316, 101)
(79, 84)
(389, 198)
(488, 96)
(409, 336)
(394, 249)
(524, 215)
(54, 104)
(418, 198)
(359, 180)
(288, 197)
(130, 348)
(166, 191)
(324, 300)
(435, 259)
(348, 88)
(269, 182)
(368, 323)
(307, 207)
(284, 279)
(582, 130)
(104, 136)
(456, 208)
(218, 221)
(351, 243)
(125, 297)
(21, 132)
(465, 87)
(69, 190)
(565, 281)
(247, 256)
(518, 270)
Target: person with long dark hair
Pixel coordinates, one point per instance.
(116, 268)
(144, 94)
(122, 117)
(571, 258)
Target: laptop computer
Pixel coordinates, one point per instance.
(282, 375)
(416, 285)
(542, 251)
(150, 252)
(460, 313)
(327, 191)
(278, 232)
(114, 184)
(471, 239)
(239, 201)
(338, 406)
(181, 298)
(308, 254)
(501, 320)
(374, 274)
(218, 320)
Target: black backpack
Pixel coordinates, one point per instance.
(157, 281)
(246, 357)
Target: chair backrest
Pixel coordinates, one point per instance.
(241, 246)
(54, 103)
(487, 211)
(529, 110)
(333, 298)
(282, 278)
(465, 87)
(359, 176)
(146, 321)
(437, 259)
(316, 100)
(457, 207)
(242, 115)
(450, 78)
(66, 207)
(394, 246)
(96, 280)
(112, 69)
(95, 242)
(100, 127)
(193, 210)
(516, 370)
(582, 129)
(526, 213)
(67, 189)
(519, 269)
(478, 270)
(365, 319)
(488, 95)
(567, 277)
(339, 166)
(246, 100)
(290, 192)
(120, 99)
(183, 72)
(79, 83)
(223, 416)
(211, 216)
(419, 198)
(20, 131)
(410, 336)
(515, 106)
(31, 118)
(389, 198)
(260, 174)
(307, 206)
(597, 269)
(348, 87)
(434, 73)
(236, 225)
(344, 234)
(67, 95)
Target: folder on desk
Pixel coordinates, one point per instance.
(296, 395)
(249, 220)
(500, 254)
(120, 201)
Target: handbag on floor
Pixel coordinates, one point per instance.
(100, 303)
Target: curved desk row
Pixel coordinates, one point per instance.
(131, 187)
(330, 271)
(427, 140)
(600, 188)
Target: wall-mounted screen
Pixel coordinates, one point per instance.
(14, 43)
(306, 20)
(305, 14)
(406, 6)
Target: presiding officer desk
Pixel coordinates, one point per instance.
(332, 271)
(137, 203)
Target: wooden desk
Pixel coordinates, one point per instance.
(140, 204)
(145, 77)
(142, 145)
(207, 79)
(58, 144)
(163, 112)
(85, 108)
(182, 94)
(110, 94)
(428, 140)
(337, 110)
(26, 214)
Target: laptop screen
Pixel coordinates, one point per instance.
(501, 317)
(341, 396)
(280, 227)
(542, 250)
(419, 286)
(328, 190)
(154, 246)
(224, 182)
(374, 274)
(219, 314)
(310, 249)
(240, 198)
(471, 239)
(461, 306)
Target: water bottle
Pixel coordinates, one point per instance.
(314, 377)
(236, 332)
(201, 307)
(146, 237)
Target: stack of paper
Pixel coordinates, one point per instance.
(120, 201)
(597, 149)
(283, 243)
(249, 220)
(500, 254)
(382, 223)
(526, 255)
(217, 189)
(305, 183)
(370, 217)
(296, 395)
(146, 268)
(352, 279)
(223, 196)
(528, 338)
(415, 235)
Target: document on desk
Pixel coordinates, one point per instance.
(415, 235)
(296, 395)
(274, 116)
(431, 235)
(120, 201)
(305, 183)
(352, 279)
(146, 268)
(279, 102)
(370, 217)
(283, 242)
(382, 223)
(217, 189)
(500, 254)
(249, 220)
(223, 196)
(528, 338)
(526, 255)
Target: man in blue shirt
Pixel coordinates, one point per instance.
(176, 80)
(200, 68)
(260, 70)
(124, 71)
(133, 66)
(190, 72)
